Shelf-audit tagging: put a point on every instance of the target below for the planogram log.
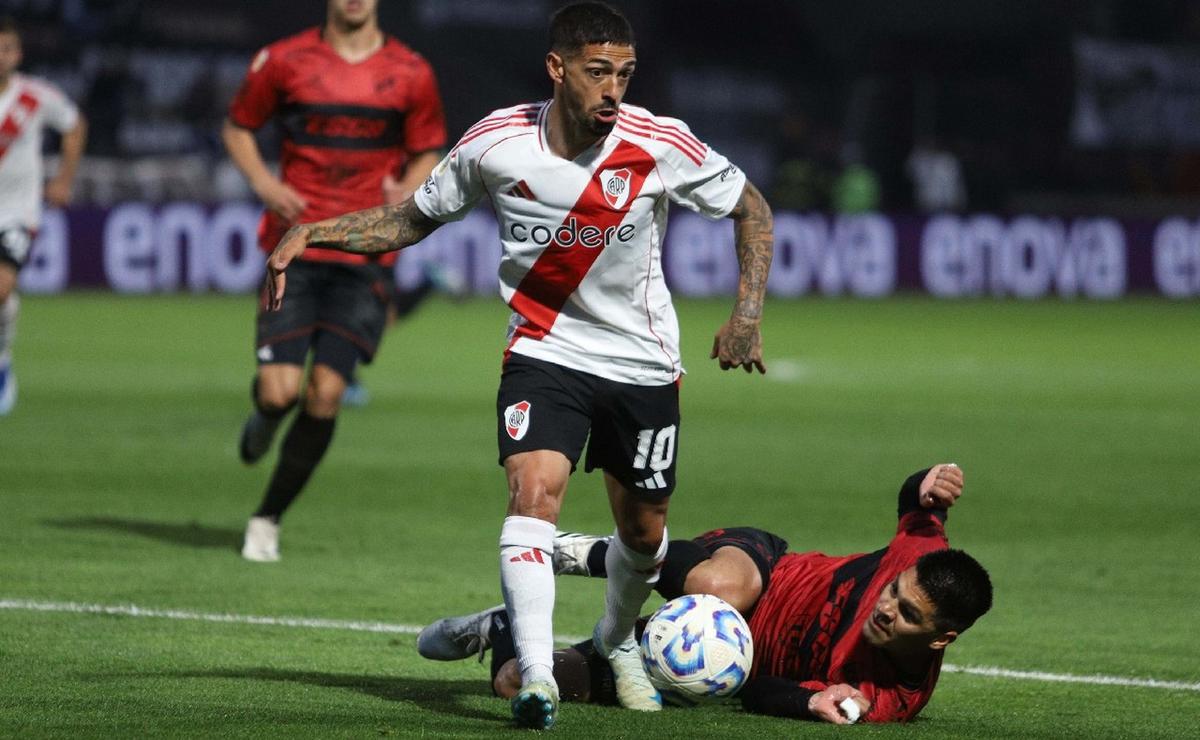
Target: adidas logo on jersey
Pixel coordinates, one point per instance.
(521, 190)
(571, 233)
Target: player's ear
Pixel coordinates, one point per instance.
(943, 639)
(555, 67)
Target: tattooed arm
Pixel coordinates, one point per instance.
(383, 229)
(738, 343)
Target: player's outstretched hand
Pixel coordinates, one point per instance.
(738, 343)
(288, 249)
(942, 486)
(824, 704)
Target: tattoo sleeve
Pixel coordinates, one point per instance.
(754, 238)
(375, 230)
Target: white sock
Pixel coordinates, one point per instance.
(527, 581)
(8, 324)
(631, 578)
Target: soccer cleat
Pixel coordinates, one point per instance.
(455, 638)
(634, 690)
(262, 540)
(536, 705)
(356, 396)
(8, 391)
(571, 552)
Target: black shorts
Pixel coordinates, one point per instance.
(634, 428)
(336, 310)
(764, 548)
(15, 245)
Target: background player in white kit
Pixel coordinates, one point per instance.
(580, 185)
(27, 105)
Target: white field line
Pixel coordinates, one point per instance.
(131, 610)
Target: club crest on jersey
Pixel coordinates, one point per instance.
(516, 420)
(616, 187)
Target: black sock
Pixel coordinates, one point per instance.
(303, 448)
(682, 556)
(595, 560)
(503, 648)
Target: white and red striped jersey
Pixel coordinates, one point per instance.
(27, 106)
(583, 238)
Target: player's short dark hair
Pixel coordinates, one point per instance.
(579, 24)
(958, 586)
(9, 25)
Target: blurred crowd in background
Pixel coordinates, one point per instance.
(1052, 106)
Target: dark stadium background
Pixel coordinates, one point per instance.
(766, 81)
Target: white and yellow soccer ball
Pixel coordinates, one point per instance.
(696, 648)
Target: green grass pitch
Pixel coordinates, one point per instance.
(1076, 422)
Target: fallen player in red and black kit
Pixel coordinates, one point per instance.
(871, 627)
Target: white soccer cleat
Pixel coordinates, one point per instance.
(262, 540)
(634, 690)
(571, 552)
(536, 705)
(455, 638)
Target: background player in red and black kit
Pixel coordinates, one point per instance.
(362, 126)
(871, 627)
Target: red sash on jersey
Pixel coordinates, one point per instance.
(14, 123)
(557, 272)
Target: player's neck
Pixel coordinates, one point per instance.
(5, 81)
(564, 137)
(353, 44)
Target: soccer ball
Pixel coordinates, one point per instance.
(697, 647)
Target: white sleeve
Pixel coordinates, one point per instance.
(60, 113)
(710, 186)
(453, 187)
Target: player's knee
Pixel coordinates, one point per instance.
(275, 398)
(507, 682)
(709, 578)
(323, 399)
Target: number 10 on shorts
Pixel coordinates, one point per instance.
(656, 452)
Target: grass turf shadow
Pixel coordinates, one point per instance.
(442, 696)
(191, 534)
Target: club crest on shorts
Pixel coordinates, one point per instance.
(516, 420)
(616, 186)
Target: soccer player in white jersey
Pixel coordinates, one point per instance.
(580, 185)
(27, 105)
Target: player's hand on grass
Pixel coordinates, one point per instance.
(739, 344)
(281, 199)
(288, 249)
(942, 486)
(824, 704)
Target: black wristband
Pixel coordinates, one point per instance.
(777, 697)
